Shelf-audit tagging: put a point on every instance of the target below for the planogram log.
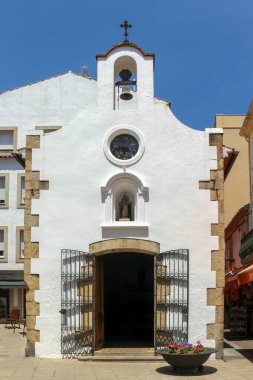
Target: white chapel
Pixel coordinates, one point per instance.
(123, 220)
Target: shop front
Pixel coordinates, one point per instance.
(12, 293)
(239, 303)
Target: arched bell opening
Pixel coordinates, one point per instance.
(125, 83)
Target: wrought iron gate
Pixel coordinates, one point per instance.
(77, 299)
(172, 300)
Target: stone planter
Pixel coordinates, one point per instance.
(188, 361)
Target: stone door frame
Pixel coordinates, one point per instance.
(104, 247)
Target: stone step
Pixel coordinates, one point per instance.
(122, 358)
(124, 352)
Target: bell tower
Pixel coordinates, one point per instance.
(125, 76)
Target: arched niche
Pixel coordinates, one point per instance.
(125, 189)
(116, 187)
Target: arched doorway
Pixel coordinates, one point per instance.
(93, 313)
(125, 300)
(124, 292)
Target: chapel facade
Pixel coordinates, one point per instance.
(124, 228)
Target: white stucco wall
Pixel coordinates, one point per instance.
(177, 214)
(52, 102)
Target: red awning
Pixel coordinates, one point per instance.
(230, 280)
(232, 286)
(246, 275)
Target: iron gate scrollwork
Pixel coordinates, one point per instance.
(77, 300)
(172, 297)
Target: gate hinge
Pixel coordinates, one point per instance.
(62, 311)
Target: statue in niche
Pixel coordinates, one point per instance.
(125, 209)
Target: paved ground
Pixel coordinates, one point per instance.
(14, 366)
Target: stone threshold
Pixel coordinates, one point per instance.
(121, 358)
(124, 354)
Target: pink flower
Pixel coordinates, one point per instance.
(184, 348)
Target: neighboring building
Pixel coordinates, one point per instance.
(234, 233)
(123, 213)
(236, 211)
(246, 252)
(239, 253)
(12, 202)
(236, 186)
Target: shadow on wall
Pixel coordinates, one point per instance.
(111, 233)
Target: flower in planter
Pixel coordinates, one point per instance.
(185, 348)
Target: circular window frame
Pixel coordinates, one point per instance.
(120, 130)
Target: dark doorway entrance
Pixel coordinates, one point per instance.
(128, 300)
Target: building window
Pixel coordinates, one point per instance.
(20, 245)
(124, 145)
(8, 139)
(21, 190)
(4, 190)
(3, 244)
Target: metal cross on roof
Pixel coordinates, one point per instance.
(125, 25)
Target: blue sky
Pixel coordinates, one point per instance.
(204, 54)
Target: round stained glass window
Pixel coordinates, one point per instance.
(124, 147)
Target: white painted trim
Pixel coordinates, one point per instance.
(122, 177)
(20, 204)
(4, 258)
(109, 192)
(48, 129)
(6, 177)
(119, 130)
(13, 146)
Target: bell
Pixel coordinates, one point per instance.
(126, 94)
